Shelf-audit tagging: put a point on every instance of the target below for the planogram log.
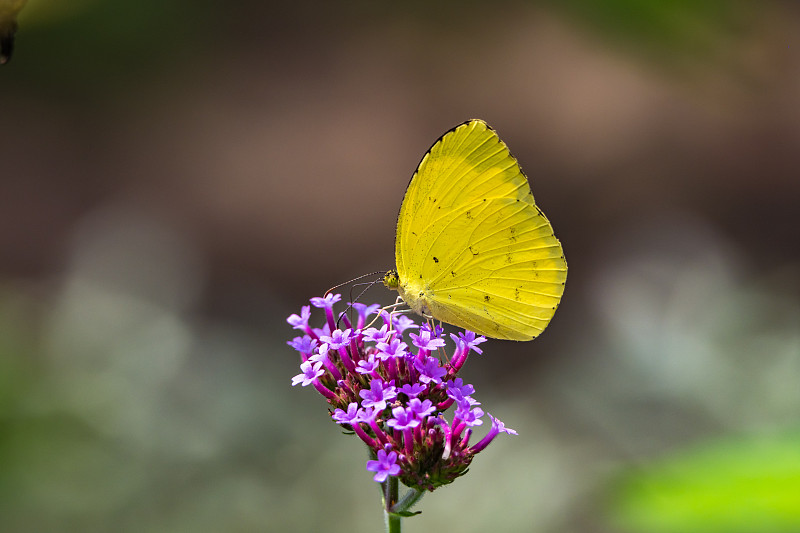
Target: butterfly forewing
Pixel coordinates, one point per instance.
(473, 244)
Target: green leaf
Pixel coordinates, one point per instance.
(731, 486)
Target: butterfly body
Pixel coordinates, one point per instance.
(415, 295)
(472, 248)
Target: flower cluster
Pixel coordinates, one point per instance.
(394, 396)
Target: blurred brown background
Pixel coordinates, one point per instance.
(177, 178)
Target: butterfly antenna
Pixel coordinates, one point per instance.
(368, 284)
(381, 272)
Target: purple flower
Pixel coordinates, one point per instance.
(377, 335)
(402, 323)
(378, 394)
(323, 331)
(394, 349)
(368, 366)
(470, 340)
(457, 390)
(327, 301)
(338, 339)
(412, 390)
(311, 371)
(497, 427)
(402, 419)
(429, 371)
(419, 408)
(321, 354)
(385, 466)
(368, 414)
(405, 420)
(304, 344)
(435, 331)
(351, 416)
(394, 396)
(300, 322)
(470, 417)
(364, 311)
(424, 341)
(501, 428)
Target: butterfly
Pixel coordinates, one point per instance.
(472, 248)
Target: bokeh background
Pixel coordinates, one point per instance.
(178, 177)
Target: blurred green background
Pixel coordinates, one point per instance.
(178, 177)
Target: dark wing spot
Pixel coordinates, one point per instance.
(454, 274)
(486, 298)
(473, 252)
(435, 259)
(468, 214)
(509, 260)
(516, 294)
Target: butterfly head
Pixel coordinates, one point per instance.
(392, 279)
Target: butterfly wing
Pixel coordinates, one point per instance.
(472, 248)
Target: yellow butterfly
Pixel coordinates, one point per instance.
(472, 248)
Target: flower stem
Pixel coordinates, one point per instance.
(390, 496)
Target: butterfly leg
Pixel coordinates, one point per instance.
(394, 311)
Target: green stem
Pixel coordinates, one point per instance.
(390, 496)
